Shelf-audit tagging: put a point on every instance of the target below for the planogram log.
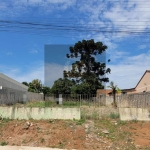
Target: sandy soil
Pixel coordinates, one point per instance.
(75, 134)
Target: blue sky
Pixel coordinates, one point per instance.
(26, 26)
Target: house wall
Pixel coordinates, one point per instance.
(144, 84)
(102, 92)
(131, 91)
(7, 82)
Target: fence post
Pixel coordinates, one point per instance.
(24, 97)
(60, 99)
(80, 99)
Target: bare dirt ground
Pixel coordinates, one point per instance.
(102, 134)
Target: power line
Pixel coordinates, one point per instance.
(72, 30)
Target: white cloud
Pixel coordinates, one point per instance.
(142, 46)
(20, 74)
(18, 7)
(52, 73)
(9, 53)
(130, 16)
(47, 74)
(124, 16)
(127, 73)
(34, 51)
(114, 55)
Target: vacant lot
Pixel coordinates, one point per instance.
(105, 133)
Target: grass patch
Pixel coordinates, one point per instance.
(113, 128)
(3, 143)
(71, 104)
(3, 121)
(95, 115)
(135, 121)
(114, 115)
(43, 104)
(122, 122)
(80, 122)
(36, 104)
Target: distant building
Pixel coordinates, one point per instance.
(144, 83)
(7, 82)
(142, 86)
(106, 92)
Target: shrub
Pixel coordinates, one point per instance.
(114, 115)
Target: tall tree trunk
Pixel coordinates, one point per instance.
(114, 99)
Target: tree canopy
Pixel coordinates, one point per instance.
(87, 69)
(62, 86)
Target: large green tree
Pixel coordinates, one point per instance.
(82, 88)
(37, 87)
(86, 69)
(25, 83)
(62, 86)
(34, 86)
(46, 90)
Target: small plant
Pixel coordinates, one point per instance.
(122, 122)
(95, 115)
(24, 141)
(61, 145)
(38, 128)
(5, 120)
(114, 116)
(42, 140)
(80, 122)
(134, 120)
(3, 143)
(51, 121)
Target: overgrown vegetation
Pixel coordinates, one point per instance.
(114, 115)
(115, 134)
(3, 143)
(51, 104)
(48, 103)
(3, 121)
(107, 128)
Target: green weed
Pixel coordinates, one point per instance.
(80, 122)
(114, 115)
(42, 140)
(3, 143)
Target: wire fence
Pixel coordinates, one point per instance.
(12, 96)
(76, 99)
(136, 100)
(9, 96)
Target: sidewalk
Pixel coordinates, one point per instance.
(27, 148)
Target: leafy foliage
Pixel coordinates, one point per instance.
(86, 69)
(25, 83)
(46, 90)
(115, 89)
(81, 89)
(36, 86)
(62, 86)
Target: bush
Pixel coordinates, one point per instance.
(3, 143)
(114, 115)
